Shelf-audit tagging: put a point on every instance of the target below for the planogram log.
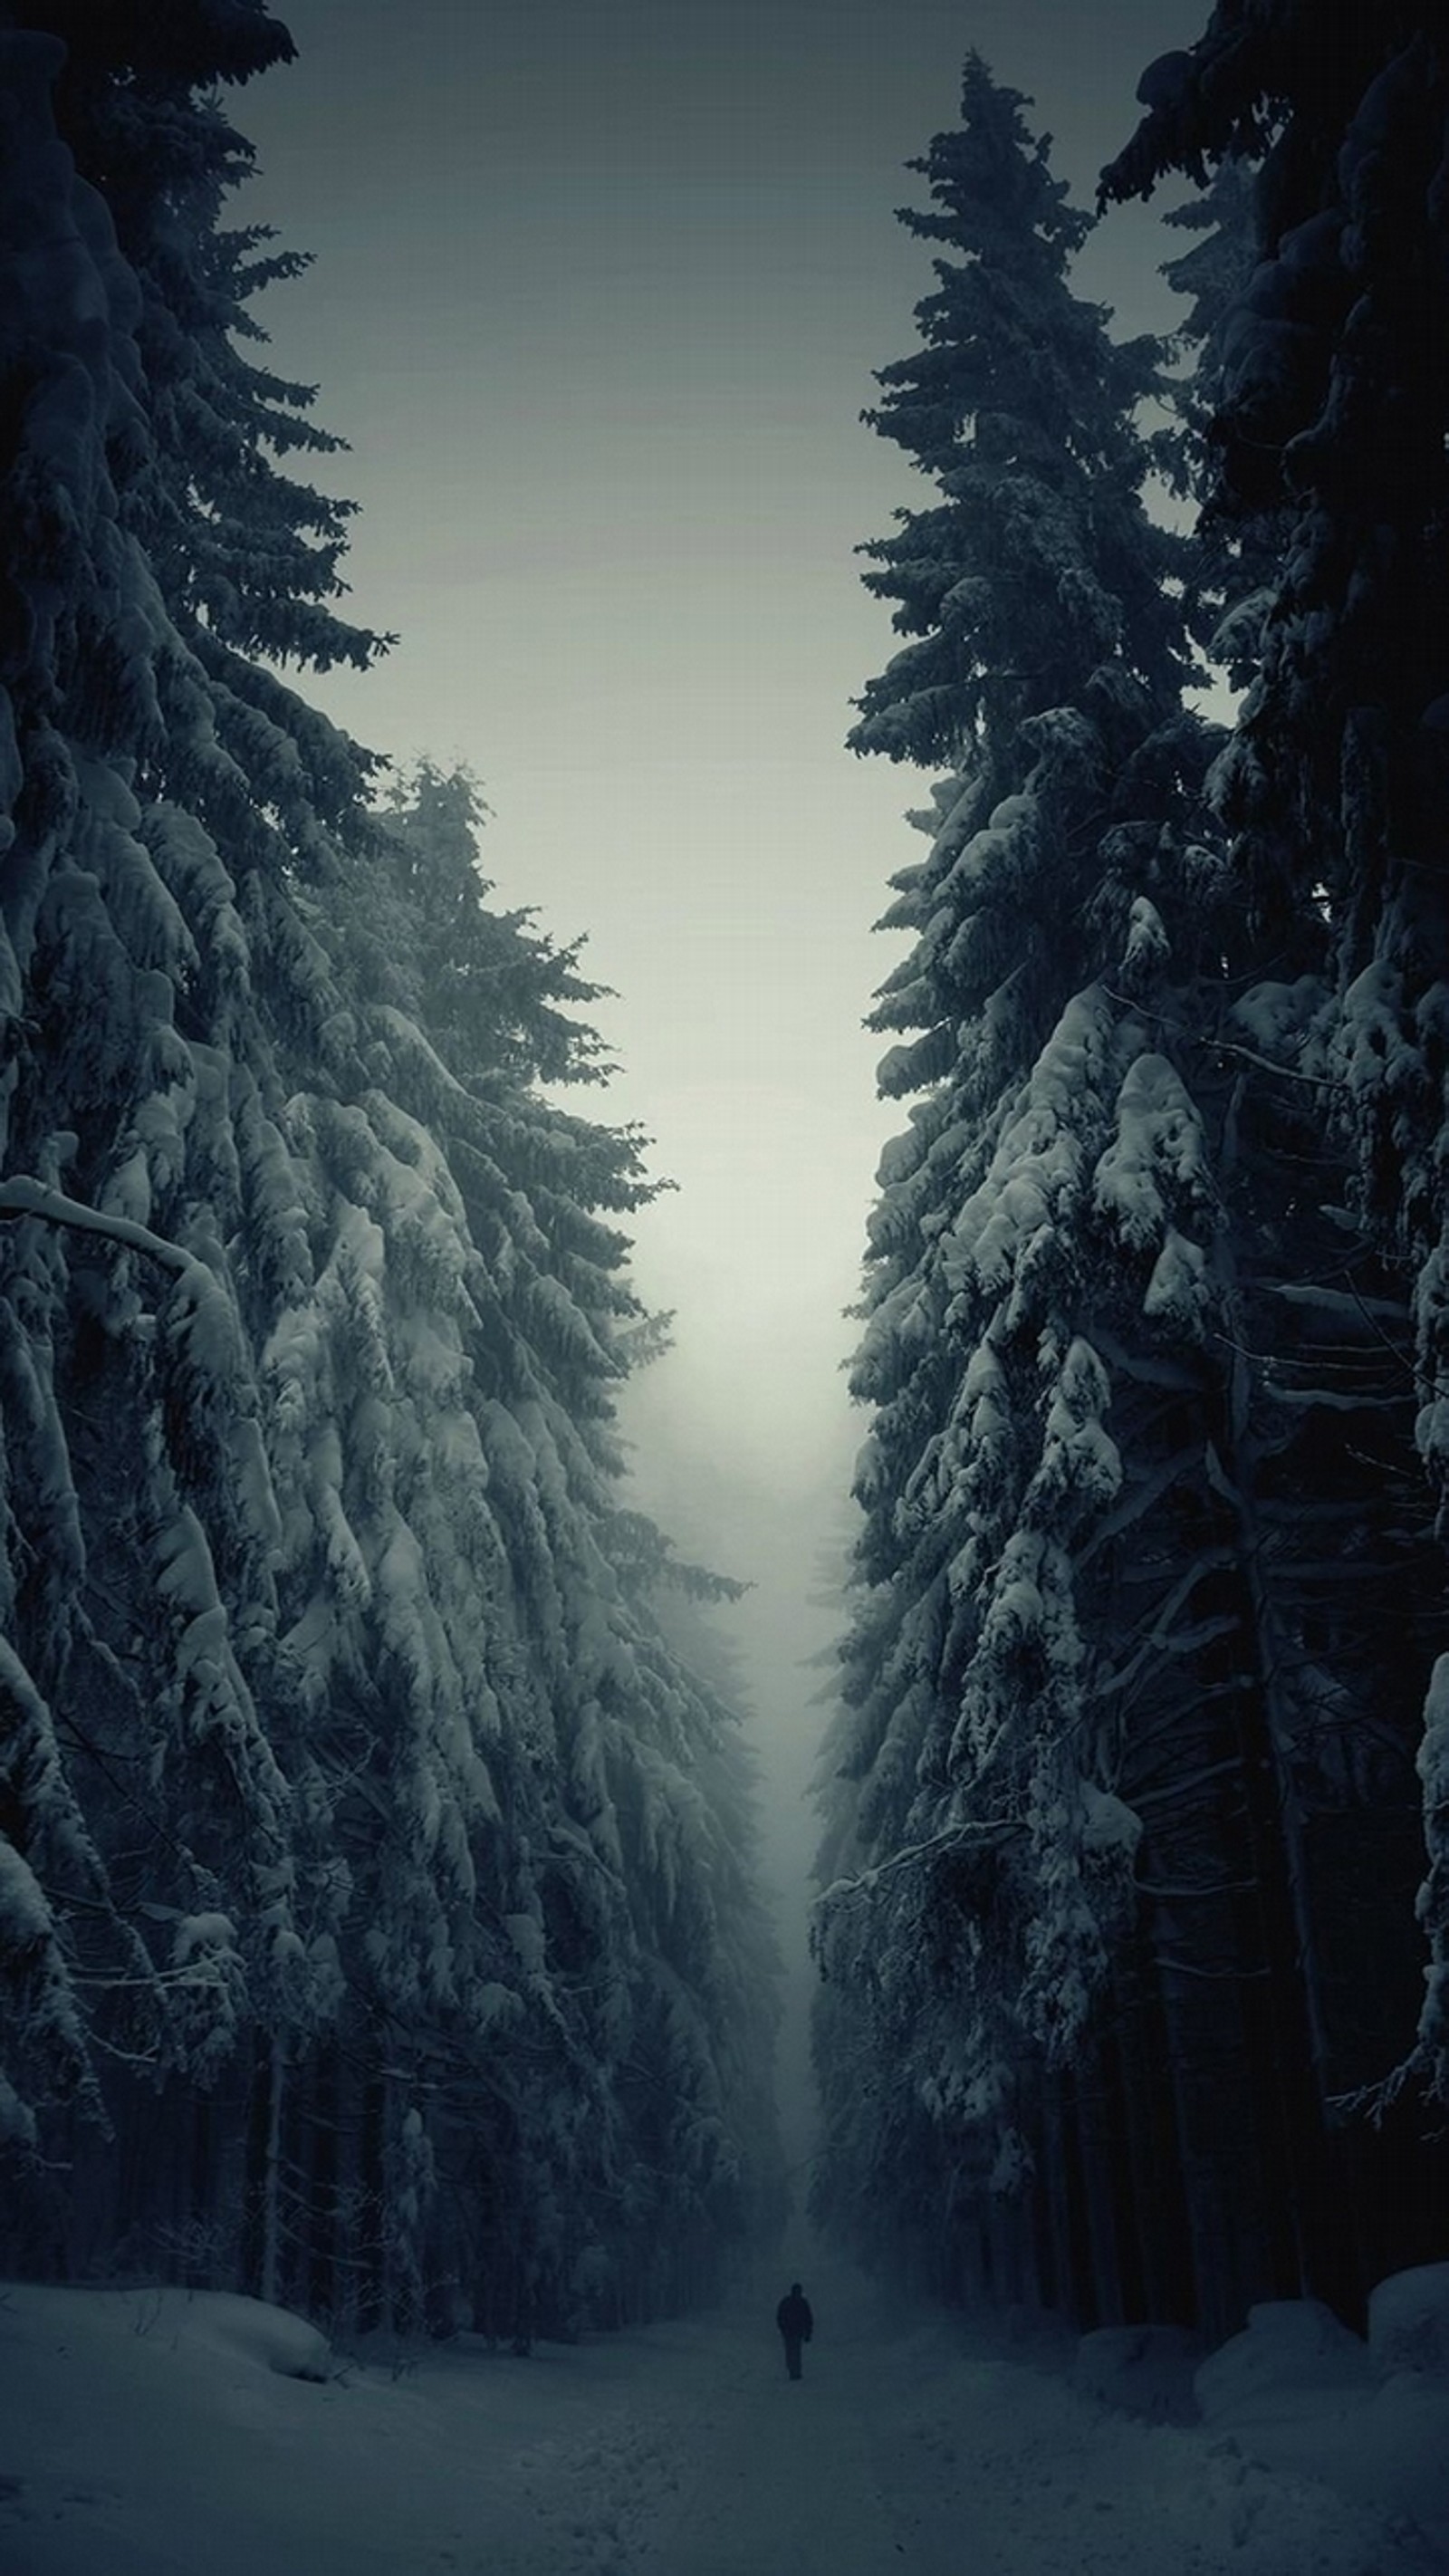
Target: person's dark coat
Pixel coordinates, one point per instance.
(796, 2326)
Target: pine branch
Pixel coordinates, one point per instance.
(954, 1837)
(23, 1196)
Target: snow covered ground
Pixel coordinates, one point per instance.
(148, 2433)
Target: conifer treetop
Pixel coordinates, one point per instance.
(248, 558)
(1037, 563)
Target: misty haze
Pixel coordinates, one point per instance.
(724, 941)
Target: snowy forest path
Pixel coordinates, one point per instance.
(911, 2446)
(153, 2433)
(794, 2476)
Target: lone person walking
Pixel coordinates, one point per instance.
(796, 2326)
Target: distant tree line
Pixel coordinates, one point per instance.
(378, 1928)
(1137, 1796)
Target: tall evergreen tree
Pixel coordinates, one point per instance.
(1092, 1735)
(1054, 1167)
(1334, 415)
(361, 1838)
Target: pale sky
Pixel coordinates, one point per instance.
(598, 289)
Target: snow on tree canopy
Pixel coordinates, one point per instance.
(1117, 1747)
(1330, 434)
(328, 1652)
(966, 1933)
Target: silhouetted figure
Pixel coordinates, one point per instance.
(796, 2326)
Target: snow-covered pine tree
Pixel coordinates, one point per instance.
(133, 1484)
(977, 1855)
(1334, 415)
(1084, 2002)
(621, 1877)
(355, 1815)
(1334, 1519)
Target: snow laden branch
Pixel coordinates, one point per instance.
(24, 1196)
(954, 1838)
(212, 1313)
